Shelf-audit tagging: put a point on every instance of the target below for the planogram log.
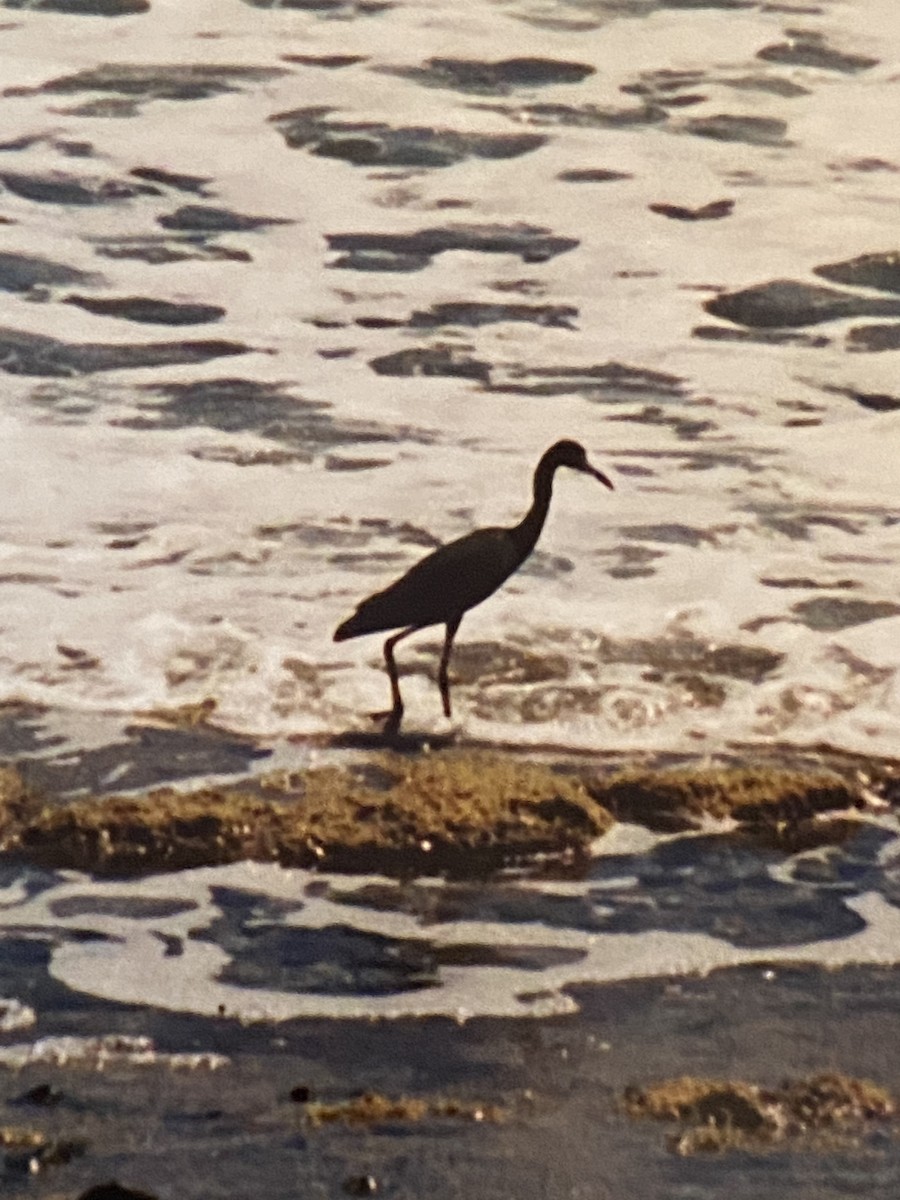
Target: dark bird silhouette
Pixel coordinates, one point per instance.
(454, 578)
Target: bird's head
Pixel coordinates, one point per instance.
(572, 454)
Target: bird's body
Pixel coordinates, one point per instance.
(477, 563)
(445, 584)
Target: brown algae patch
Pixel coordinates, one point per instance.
(719, 1115)
(455, 813)
(28, 1151)
(15, 798)
(182, 716)
(761, 798)
(373, 1108)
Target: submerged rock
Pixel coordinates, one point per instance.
(874, 401)
(331, 62)
(58, 187)
(878, 270)
(89, 8)
(411, 251)
(755, 131)
(24, 353)
(152, 81)
(788, 303)
(328, 8)
(829, 613)
(493, 78)
(582, 116)
(22, 273)
(875, 338)
(592, 175)
(146, 310)
(203, 218)
(160, 249)
(432, 360)
(714, 210)
(609, 382)
(809, 49)
(374, 143)
(196, 184)
(764, 337)
(476, 313)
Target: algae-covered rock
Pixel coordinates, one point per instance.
(719, 1114)
(373, 1108)
(15, 798)
(680, 797)
(27, 1152)
(439, 813)
(705, 1101)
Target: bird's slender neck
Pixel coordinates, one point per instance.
(528, 530)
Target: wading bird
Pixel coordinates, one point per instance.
(454, 578)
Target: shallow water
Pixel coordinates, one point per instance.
(259, 943)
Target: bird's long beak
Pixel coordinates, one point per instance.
(605, 480)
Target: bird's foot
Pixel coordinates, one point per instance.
(392, 718)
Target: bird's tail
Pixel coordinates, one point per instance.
(346, 630)
(374, 615)
(354, 626)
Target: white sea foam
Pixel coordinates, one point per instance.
(226, 941)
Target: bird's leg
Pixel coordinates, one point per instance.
(395, 716)
(443, 680)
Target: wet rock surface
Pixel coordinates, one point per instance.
(494, 78)
(343, 9)
(807, 48)
(370, 143)
(785, 302)
(880, 271)
(874, 337)
(727, 127)
(232, 405)
(24, 273)
(24, 353)
(179, 180)
(59, 187)
(453, 361)
(475, 314)
(426, 814)
(199, 218)
(713, 211)
(141, 82)
(90, 8)
(159, 250)
(610, 382)
(411, 252)
(837, 612)
(455, 812)
(147, 311)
